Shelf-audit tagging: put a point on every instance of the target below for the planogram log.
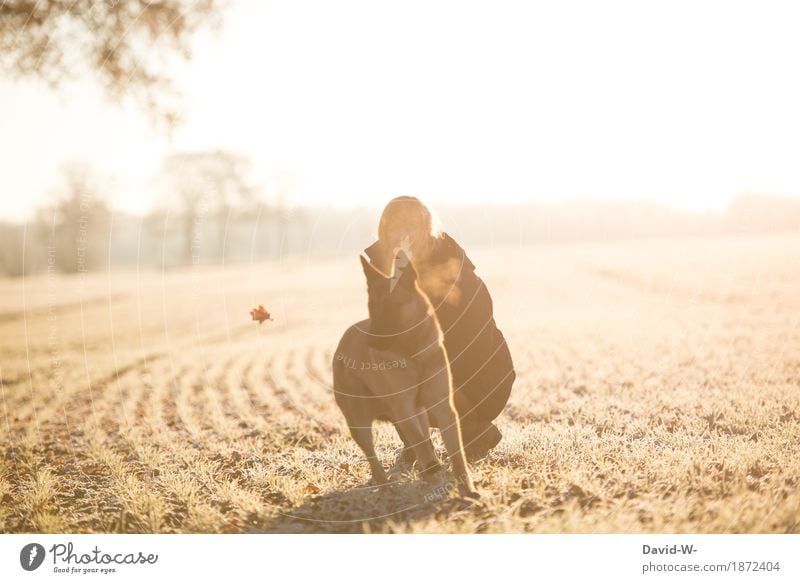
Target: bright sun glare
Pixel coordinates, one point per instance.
(683, 103)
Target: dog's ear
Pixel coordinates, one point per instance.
(370, 271)
(403, 272)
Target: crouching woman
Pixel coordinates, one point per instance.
(480, 362)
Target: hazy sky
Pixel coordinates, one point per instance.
(686, 103)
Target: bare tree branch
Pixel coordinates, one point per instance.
(127, 44)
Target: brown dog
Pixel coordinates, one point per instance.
(394, 367)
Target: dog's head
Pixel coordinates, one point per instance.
(396, 305)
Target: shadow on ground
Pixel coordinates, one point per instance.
(369, 508)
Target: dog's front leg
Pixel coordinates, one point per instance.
(441, 408)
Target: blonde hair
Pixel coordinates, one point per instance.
(409, 211)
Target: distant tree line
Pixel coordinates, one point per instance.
(213, 213)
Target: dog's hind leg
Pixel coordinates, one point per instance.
(416, 435)
(362, 434)
(407, 454)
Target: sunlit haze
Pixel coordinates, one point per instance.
(350, 103)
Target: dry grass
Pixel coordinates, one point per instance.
(658, 391)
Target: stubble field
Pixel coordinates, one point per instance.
(658, 390)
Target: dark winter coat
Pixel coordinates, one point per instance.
(480, 361)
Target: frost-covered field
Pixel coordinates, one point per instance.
(658, 390)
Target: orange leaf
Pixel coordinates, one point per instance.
(311, 489)
(259, 314)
